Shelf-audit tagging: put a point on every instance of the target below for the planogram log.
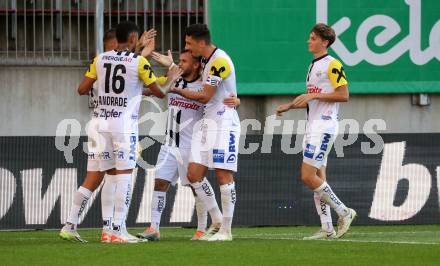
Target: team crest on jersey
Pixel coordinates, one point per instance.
(318, 74)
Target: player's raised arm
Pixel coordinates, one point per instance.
(146, 74)
(89, 78)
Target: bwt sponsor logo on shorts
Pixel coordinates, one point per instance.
(324, 147)
(309, 152)
(232, 157)
(218, 156)
(133, 142)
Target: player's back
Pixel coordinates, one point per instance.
(219, 71)
(119, 90)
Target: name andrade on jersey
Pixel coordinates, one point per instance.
(109, 101)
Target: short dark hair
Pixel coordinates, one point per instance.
(109, 34)
(195, 58)
(124, 29)
(325, 32)
(199, 32)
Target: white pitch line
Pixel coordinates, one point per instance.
(339, 240)
(354, 233)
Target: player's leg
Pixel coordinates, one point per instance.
(228, 198)
(125, 161)
(96, 146)
(166, 174)
(158, 203)
(324, 213)
(107, 206)
(182, 158)
(202, 217)
(80, 199)
(316, 151)
(225, 161)
(203, 189)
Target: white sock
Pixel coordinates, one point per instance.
(202, 215)
(324, 213)
(328, 196)
(107, 200)
(80, 199)
(229, 197)
(206, 194)
(158, 203)
(122, 199)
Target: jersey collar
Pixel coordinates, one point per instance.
(206, 60)
(191, 81)
(319, 58)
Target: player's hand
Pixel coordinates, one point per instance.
(283, 108)
(164, 60)
(232, 101)
(148, 48)
(174, 73)
(145, 40)
(302, 100)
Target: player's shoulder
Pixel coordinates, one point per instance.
(221, 55)
(333, 62)
(221, 65)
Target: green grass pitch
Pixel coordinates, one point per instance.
(363, 245)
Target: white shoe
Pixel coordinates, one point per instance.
(345, 222)
(131, 237)
(321, 234)
(68, 232)
(221, 236)
(212, 230)
(123, 237)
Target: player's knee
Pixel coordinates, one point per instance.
(305, 177)
(224, 177)
(193, 176)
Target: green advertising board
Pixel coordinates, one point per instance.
(390, 46)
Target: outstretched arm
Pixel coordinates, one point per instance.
(160, 90)
(202, 96)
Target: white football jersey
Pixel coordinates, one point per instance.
(219, 71)
(120, 76)
(324, 76)
(183, 114)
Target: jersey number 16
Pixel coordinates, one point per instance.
(116, 87)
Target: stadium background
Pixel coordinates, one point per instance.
(46, 45)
